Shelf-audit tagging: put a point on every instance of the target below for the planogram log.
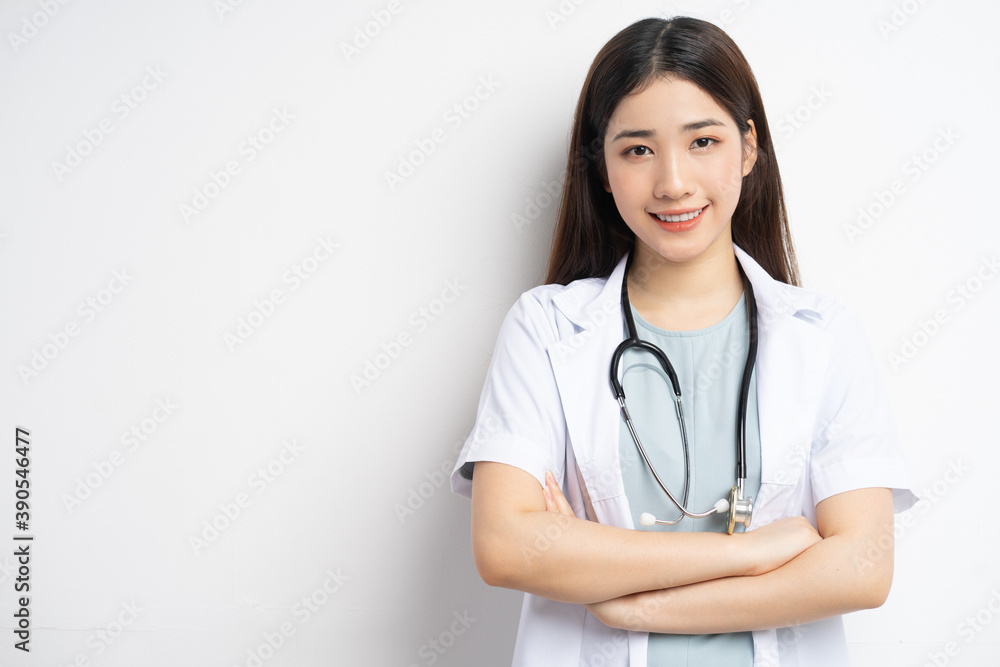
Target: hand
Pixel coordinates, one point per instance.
(768, 547)
(555, 501)
(640, 611)
(608, 612)
(775, 544)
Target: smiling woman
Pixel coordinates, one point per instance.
(672, 222)
(676, 184)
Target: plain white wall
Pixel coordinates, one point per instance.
(321, 557)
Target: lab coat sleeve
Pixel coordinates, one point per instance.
(519, 421)
(855, 444)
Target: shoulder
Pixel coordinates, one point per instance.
(827, 313)
(815, 308)
(829, 333)
(821, 322)
(777, 301)
(551, 306)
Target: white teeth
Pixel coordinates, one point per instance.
(680, 218)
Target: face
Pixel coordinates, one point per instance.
(675, 163)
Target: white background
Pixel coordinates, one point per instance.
(854, 92)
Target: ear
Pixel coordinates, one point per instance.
(750, 152)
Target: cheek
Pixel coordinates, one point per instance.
(725, 180)
(625, 186)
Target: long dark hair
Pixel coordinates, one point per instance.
(590, 235)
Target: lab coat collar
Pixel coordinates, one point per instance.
(792, 352)
(582, 300)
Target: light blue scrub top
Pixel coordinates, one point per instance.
(709, 364)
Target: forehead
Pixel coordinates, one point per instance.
(667, 104)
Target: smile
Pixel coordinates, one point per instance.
(682, 217)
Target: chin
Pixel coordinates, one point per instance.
(681, 250)
(679, 253)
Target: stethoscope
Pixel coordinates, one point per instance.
(740, 509)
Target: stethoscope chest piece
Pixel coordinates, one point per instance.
(740, 510)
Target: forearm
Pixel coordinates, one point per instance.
(813, 586)
(851, 569)
(573, 560)
(518, 544)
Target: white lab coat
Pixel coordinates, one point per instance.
(825, 428)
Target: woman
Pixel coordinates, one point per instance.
(673, 218)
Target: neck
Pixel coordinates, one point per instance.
(683, 296)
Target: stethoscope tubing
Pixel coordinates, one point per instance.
(633, 341)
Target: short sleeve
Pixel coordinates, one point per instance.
(856, 445)
(519, 421)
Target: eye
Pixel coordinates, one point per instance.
(704, 142)
(638, 151)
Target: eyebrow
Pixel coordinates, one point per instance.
(646, 134)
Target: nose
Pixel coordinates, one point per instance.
(674, 179)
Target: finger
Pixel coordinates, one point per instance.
(550, 503)
(562, 505)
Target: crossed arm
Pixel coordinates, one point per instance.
(779, 575)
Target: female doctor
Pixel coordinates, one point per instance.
(671, 165)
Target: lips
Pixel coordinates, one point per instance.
(679, 222)
(680, 217)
